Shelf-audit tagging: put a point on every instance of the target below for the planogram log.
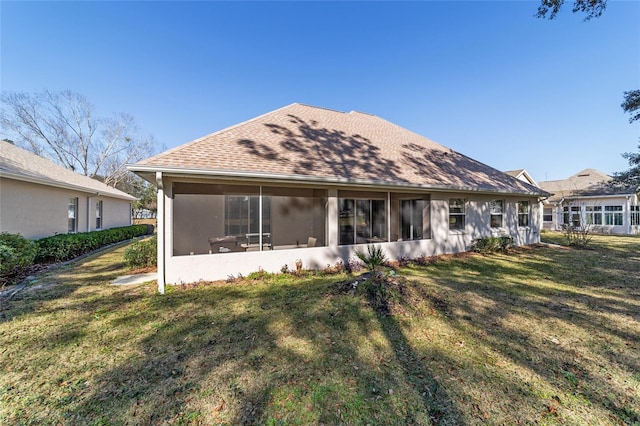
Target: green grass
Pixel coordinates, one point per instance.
(538, 335)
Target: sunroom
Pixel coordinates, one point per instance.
(216, 219)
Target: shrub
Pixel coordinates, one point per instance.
(61, 247)
(577, 236)
(492, 244)
(142, 253)
(373, 259)
(16, 255)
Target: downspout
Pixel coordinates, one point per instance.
(627, 215)
(161, 232)
(89, 213)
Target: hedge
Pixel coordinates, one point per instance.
(492, 244)
(142, 254)
(16, 255)
(61, 247)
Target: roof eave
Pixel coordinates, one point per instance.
(143, 170)
(62, 185)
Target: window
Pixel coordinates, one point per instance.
(547, 214)
(242, 215)
(523, 213)
(456, 214)
(362, 221)
(613, 215)
(99, 215)
(72, 215)
(575, 217)
(635, 215)
(496, 208)
(594, 215)
(411, 219)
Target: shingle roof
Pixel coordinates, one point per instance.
(318, 143)
(17, 163)
(588, 182)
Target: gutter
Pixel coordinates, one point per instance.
(278, 178)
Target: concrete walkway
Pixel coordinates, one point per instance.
(135, 279)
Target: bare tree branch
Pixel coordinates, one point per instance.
(63, 126)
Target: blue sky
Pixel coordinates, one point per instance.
(487, 79)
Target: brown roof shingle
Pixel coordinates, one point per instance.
(301, 140)
(17, 163)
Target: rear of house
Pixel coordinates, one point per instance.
(587, 199)
(38, 198)
(315, 185)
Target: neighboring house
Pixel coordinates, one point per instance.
(585, 199)
(522, 175)
(38, 198)
(315, 185)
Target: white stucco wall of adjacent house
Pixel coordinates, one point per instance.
(618, 214)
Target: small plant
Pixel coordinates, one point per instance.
(298, 267)
(577, 236)
(492, 244)
(142, 253)
(285, 269)
(353, 265)
(373, 259)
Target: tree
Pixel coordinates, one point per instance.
(631, 177)
(631, 104)
(64, 127)
(593, 8)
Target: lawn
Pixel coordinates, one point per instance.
(540, 335)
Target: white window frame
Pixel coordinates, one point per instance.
(99, 222)
(495, 212)
(634, 215)
(592, 214)
(522, 214)
(462, 214)
(614, 215)
(72, 215)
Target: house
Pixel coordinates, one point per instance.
(522, 175)
(315, 185)
(586, 199)
(38, 198)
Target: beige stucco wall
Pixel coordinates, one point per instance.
(191, 268)
(38, 211)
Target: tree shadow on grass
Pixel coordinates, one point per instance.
(534, 325)
(294, 353)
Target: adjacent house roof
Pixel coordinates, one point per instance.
(305, 143)
(17, 163)
(523, 175)
(586, 183)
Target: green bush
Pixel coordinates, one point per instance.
(492, 244)
(16, 255)
(373, 259)
(61, 247)
(142, 253)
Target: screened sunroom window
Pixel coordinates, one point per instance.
(362, 221)
(411, 219)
